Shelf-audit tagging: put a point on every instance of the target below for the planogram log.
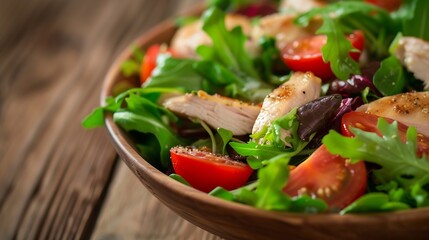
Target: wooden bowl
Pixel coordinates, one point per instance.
(237, 221)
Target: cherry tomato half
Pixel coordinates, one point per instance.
(306, 55)
(329, 177)
(205, 171)
(149, 61)
(368, 122)
(389, 5)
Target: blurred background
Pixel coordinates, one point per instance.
(57, 180)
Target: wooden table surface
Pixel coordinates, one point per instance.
(57, 180)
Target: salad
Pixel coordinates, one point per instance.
(299, 106)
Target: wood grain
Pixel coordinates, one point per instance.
(54, 175)
(139, 215)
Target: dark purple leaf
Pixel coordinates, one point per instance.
(257, 10)
(347, 105)
(356, 83)
(314, 115)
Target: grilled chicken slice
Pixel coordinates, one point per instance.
(414, 55)
(217, 111)
(283, 29)
(299, 90)
(411, 109)
(189, 37)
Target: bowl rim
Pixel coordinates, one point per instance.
(134, 160)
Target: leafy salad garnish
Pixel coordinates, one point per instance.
(398, 177)
(267, 193)
(398, 161)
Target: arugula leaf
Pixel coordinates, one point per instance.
(217, 142)
(272, 180)
(223, 137)
(256, 154)
(217, 73)
(244, 194)
(364, 95)
(143, 106)
(229, 50)
(399, 161)
(225, 67)
(282, 133)
(269, 57)
(280, 138)
(417, 24)
(374, 202)
(272, 134)
(344, 17)
(228, 46)
(148, 147)
(229, 4)
(96, 117)
(236, 85)
(307, 204)
(389, 78)
(254, 91)
(149, 124)
(177, 73)
(192, 75)
(336, 50)
(211, 140)
(142, 115)
(420, 195)
(337, 10)
(267, 191)
(222, 193)
(414, 196)
(179, 178)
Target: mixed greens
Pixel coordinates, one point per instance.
(395, 170)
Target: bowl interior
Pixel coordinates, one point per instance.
(237, 221)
